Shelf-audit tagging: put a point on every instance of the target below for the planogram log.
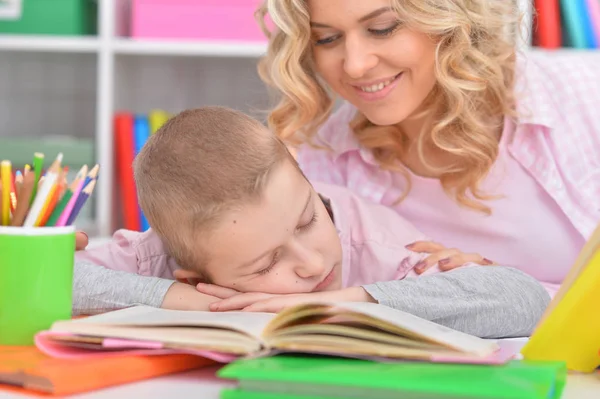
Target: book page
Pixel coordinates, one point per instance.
(324, 344)
(351, 330)
(388, 319)
(146, 316)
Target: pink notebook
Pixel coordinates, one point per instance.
(51, 344)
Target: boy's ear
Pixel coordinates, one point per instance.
(187, 276)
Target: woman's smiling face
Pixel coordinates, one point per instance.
(367, 56)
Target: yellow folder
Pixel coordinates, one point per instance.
(570, 328)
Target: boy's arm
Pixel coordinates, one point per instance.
(131, 251)
(98, 289)
(485, 301)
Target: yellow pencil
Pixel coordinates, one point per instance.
(6, 176)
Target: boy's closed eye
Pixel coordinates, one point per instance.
(303, 227)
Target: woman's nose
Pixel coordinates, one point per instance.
(358, 59)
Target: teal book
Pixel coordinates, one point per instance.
(295, 377)
(578, 24)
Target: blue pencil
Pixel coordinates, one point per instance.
(81, 200)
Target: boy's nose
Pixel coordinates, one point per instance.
(310, 263)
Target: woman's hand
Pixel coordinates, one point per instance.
(446, 258)
(81, 240)
(273, 303)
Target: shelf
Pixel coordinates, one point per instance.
(52, 44)
(189, 48)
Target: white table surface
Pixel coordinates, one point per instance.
(203, 384)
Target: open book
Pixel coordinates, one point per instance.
(343, 329)
(570, 327)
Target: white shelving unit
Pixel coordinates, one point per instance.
(73, 85)
(49, 44)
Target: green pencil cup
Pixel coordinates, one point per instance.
(36, 280)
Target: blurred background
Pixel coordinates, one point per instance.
(94, 78)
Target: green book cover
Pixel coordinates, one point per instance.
(295, 377)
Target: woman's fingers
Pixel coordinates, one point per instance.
(425, 246)
(459, 260)
(434, 258)
(216, 290)
(450, 259)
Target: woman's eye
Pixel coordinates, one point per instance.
(326, 40)
(386, 31)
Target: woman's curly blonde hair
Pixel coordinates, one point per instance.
(475, 73)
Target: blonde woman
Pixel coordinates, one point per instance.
(441, 123)
(480, 147)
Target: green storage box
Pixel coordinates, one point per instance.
(52, 17)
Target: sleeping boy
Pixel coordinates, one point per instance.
(230, 209)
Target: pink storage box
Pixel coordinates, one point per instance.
(196, 19)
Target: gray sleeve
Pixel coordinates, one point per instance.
(98, 289)
(485, 301)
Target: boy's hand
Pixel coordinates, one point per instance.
(446, 258)
(273, 303)
(181, 296)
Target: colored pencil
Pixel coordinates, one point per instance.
(44, 193)
(64, 217)
(56, 203)
(48, 205)
(38, 165)
(18, 185)
(23, 199)
(13, 195)
(64, 183)
(85, 194)
(92, 175)
(6, 177)
(59, 189)
(64, 201)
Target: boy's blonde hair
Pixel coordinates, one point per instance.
(199, 164)
(475, 73)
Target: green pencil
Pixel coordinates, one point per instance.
(38, 165)
(55, 215)
(64, 201)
